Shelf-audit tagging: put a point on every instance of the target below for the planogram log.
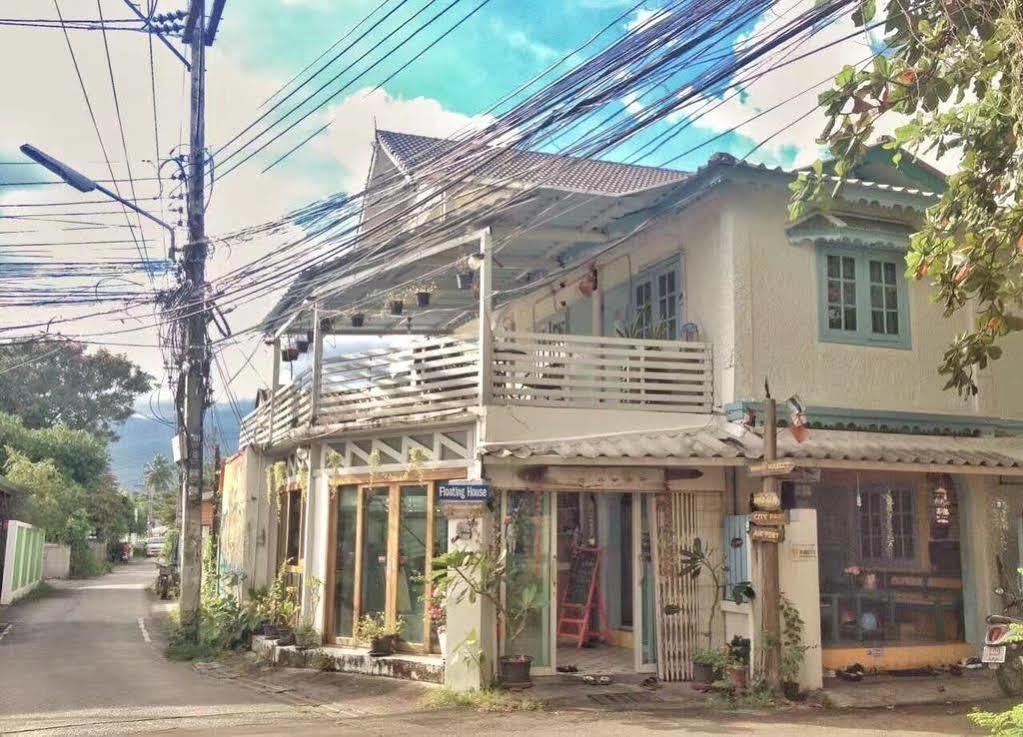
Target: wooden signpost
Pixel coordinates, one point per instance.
(762, 518)
(772, 468)
(772, 535)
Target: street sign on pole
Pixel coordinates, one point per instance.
(772, 468)
(767, 534)
(762, 518)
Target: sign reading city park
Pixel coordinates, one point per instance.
(463, 491)
(768, 519)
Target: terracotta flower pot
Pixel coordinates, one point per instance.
(703, 673)
(738, 677)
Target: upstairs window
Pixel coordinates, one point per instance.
(657, 299)
(863, 298)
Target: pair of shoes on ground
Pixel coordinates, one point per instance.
(597, 680)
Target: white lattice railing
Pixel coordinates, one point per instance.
(442, 374)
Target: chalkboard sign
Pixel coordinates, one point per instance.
(581, 576)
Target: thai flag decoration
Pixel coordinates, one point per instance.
(797, 419)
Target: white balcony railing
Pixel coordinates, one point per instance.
(441, 375)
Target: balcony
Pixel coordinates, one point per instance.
(442, 376)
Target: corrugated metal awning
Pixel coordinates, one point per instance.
(703, 442)
(720, 441)
(841, 445)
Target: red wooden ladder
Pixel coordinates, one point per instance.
(575, 621)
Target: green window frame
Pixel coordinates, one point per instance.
(863, 297)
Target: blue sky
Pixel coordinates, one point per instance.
(261, 44)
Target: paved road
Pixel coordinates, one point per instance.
(79, 662)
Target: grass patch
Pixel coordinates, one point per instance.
(485, 700)
(41, 591)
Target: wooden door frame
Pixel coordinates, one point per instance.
(427, 479)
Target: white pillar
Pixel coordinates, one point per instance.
(316, 366)
(486, 327)
(471, 625)
(799, 576)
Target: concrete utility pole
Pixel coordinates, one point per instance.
(193, 384)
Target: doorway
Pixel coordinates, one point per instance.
(589, 552)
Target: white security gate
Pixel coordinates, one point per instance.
(683, 603)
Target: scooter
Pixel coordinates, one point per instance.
(1003, 649)
(1004, 652)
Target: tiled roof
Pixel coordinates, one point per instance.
(843, 445)
(712, 441)
(556, 171)
(689, 443)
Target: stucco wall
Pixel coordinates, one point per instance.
(781, 319)
(754, 296)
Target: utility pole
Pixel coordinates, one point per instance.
(193, 383)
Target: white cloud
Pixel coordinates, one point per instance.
(46, 108)
(645, 16)
(763, 111)
(350, 137)
(520, 41)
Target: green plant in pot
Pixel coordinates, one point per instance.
(471, 575)
(382, 638)
(708, 664)
(737, 662)
(793, 650)
(276, 607)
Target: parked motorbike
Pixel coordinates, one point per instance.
(1003, 651)
(166, 579)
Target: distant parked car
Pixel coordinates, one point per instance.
(154, 547)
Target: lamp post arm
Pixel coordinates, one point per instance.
(117, 198)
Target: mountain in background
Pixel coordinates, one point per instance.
(147, 433)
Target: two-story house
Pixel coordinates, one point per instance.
(593, 340)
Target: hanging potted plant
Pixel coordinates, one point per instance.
(373, 630)
(289, 354)
(420, 292)
(396, 306)
(464, 273)
(358, 319)
(474, 574)
(302, 345)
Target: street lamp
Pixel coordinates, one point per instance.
(83, 184)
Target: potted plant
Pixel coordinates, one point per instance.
(708, 665)
(697, 559)
(737, 662)
(306, 637)
(484, 574)
(358, 319)
(373, 630)
(464, 276)
(302, 345)
(276, 608)
(289, 354)
(792, 648)
(439, 620)
(396, 306)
